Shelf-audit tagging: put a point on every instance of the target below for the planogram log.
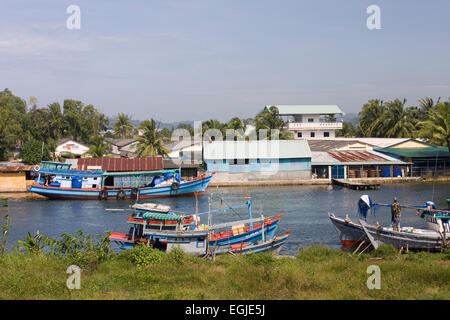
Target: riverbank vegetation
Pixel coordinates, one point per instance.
(315, 272)
(31, 132)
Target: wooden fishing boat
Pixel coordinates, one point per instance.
(56, 181)
(161, 228)
(353, 233)
(407, 238)
(350, 233)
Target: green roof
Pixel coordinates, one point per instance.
(161, 216)
(427, 152)
(307, 109)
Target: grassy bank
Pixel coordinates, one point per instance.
(314, 273)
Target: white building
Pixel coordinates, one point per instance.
(310, 121)
(66, 146)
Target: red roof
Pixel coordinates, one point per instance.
(120, 164)
(355, 156)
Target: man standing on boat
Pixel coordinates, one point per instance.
(396, 212)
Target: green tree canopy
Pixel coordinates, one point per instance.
(436, 129)
(123, 126)
(151, 143)
(33, 151)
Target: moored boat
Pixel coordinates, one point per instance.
(164, 229)
(433, 239)
(56, 181)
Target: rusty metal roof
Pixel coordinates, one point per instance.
(355, 156)
(120, 164)
(15, 167)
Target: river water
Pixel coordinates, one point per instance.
(304, 210)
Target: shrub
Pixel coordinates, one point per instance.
(261, 259)
(81, 249)
(385, 251)
(144, 255)
(318, 253)
(177, 255)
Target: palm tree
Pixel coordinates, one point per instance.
(238, 127)
(123, 126)
(269, 119)
(369, 113)
(210, 127)
(98, 148)
(396, 121)
(151, 142)
(436, 129)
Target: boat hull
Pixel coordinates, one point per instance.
(187, 188)
(418, 240)
(350, 233)
(218, 239)
(273, 244)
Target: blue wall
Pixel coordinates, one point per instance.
(259, 165)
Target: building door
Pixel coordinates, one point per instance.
(337, 172)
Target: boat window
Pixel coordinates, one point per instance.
(201, 243)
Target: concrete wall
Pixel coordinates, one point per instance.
(259, 176)
(261, 170)
(318, 134)
(13, 182)
(259, 165)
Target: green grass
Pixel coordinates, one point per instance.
(317, 272)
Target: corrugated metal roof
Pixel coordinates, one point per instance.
(355, 156)
(307, 109)
(15, 167)
(427, 152)
(262, 149)
(119, 164)
(352, 158)
(332, 144)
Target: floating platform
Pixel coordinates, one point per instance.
(355, 185)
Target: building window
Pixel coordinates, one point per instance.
(239, 161)
(313, 134)
(326, 134)
(299, 134)
(310, 120)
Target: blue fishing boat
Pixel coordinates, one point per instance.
(56, 180)
(162, 228)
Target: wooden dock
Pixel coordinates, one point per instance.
(355, 185)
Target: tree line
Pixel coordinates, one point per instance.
(34, 131)
(429, 120)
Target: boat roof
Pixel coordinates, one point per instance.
(151, 207)
(66, 172)
(162, 216)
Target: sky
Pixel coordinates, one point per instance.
(184, 60)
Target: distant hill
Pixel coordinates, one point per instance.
(161, 125)
(349, 117)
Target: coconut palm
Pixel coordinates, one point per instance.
(396, 121)
(367, 116)
(269, 119)
(436, 129)
(151, 142)
(123, 126)
(98, 148)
